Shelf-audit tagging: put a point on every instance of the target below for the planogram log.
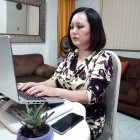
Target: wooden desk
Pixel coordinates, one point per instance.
(79, 132)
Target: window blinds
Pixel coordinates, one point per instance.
(121, 20)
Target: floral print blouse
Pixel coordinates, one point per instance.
(92, 75)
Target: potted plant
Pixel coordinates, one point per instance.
(34, 126)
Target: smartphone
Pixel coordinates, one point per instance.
(66, 123)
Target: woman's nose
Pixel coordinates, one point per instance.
(74, 30)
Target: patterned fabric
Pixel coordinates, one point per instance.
(92, 75)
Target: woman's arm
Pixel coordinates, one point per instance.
(49, 82)
(100, 77)
(71, 95)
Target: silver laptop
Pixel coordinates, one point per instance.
(8, 85)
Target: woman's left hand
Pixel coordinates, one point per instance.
(41, 90)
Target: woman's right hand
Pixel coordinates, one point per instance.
(25, 86)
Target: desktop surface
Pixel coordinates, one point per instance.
(9, 117)
(79, 132)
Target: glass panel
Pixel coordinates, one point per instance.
(23, 20)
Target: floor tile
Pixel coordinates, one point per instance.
(135, 135)
(126, 126)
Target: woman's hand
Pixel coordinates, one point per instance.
(25, 86)
(42, 90)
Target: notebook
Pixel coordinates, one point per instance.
(8, 84)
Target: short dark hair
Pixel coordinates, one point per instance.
(98, 37)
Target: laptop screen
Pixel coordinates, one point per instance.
(8, 84)
(7, 73)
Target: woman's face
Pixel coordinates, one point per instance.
(80, 30)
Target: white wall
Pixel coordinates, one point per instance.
(134, 54)
(49, 48)
(95, 4)
(3, 15)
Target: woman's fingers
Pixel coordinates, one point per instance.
(35, 90)
(40, 94)
(25, 86)
(32, 90)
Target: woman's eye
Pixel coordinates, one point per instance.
(71, 27)
(80, 26)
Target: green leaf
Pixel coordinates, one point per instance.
(33, 116)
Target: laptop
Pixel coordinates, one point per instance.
(8, 84)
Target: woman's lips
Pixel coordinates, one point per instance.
(75, 38)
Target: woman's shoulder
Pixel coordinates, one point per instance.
(102, 53)
(72, 54)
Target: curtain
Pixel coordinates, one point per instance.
(65, 8)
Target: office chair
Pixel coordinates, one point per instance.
(64, 45)
(111, 100)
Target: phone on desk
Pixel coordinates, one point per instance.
(66, 123)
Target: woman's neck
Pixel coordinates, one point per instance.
(82, 54)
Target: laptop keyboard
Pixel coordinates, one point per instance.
(28, 97)
(34, 99)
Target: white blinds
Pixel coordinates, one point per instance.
(121, 19)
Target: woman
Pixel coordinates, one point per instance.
(85, 72)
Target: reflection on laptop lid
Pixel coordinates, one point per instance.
(8, 85)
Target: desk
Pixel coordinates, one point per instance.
(79, 132)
